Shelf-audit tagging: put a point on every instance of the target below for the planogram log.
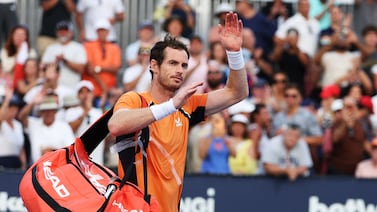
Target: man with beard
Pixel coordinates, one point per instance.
(68, 54)
(173, 110)
(215, 76)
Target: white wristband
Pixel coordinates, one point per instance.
(235, 60)
(161, 110)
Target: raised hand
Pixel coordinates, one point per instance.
(184, 93)
(231, 32)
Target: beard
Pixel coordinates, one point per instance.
(214, 83)
(167, 83)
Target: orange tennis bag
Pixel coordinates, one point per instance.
(67, 180)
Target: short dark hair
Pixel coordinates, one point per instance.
(158, 50)
(368, 29)
(256, 111)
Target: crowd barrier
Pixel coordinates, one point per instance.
(262, 194)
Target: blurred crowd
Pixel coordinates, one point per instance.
(312, 73)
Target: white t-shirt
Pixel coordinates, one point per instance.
(73, 51)
(8, 63)
(72, 114)
(94, 10)
(133, 72)
(55, 136)
(11, 139)
(308, 29)
(336, 65)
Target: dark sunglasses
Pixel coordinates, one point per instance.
(290, 95)
(280, 81)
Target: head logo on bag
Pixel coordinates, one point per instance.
(60, 189)
(67, 180)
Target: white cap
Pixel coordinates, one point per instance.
(102, 24)
(49, 103)
(223, 8)
(70, 101)
(84, 84)
(240, 118)
(243, 106)
(336, 105)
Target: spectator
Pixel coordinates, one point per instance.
(260, 131)
(365, 106)
(368, 168)
(338, 21)
(5, 80)
(291, 60)
(244, 162)
(287, 155)
(217, 53)
(257, 65)
(369, 56)
(174, 26)
(104, 62)
(50, 77)
(295, 113)
(277, 11)
(12, 152)
(364, 14)
(308, 29)
(8, 18)
(262, 27)
(68, 102)
(348, 139)
(90, 11)
(277, 99)
(68, 54)
(220, 13)
(146, 39)
(113, 95)
(84, 115)
(45, 132)
(197, 65)
(53, 12)
(260, 92)
(181, 9)
(15, 51)
(215, 76)
(355, 79)
(214, 150)
(337, 50)
(137, 77)
(324, 113)
(319, 9)
(31, 77)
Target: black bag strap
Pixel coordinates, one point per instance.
(94, 135)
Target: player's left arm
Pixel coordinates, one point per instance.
(236, 87)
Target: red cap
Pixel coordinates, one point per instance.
(366, 102)
(330, 91)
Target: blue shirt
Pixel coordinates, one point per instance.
(216, 161)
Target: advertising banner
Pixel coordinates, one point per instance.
(261, 194)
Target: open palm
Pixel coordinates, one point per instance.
(231, 32)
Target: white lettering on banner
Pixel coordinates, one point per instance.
(351, 205)
(122, 209)
(199, 204)
(8, 203)
(61, 190)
